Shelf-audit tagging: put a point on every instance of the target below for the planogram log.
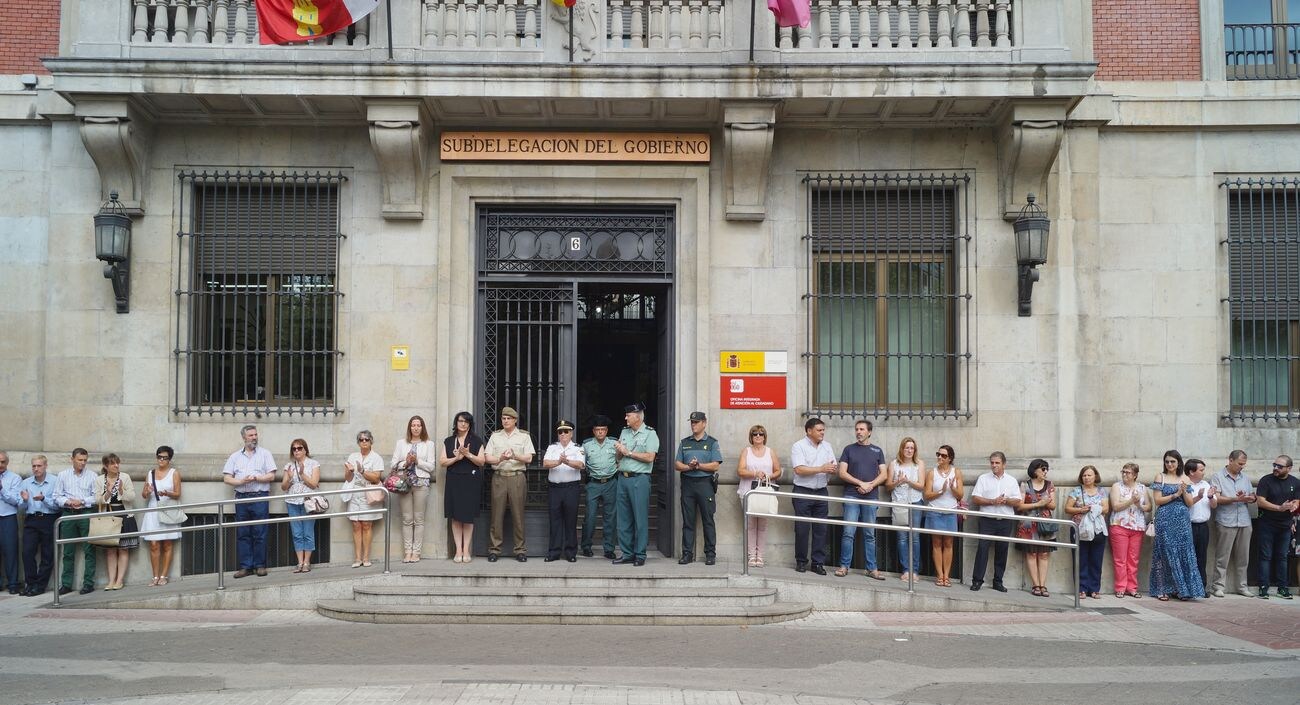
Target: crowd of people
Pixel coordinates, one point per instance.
(1181, 509)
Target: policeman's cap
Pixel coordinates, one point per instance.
(634, 408)
(510, 411)
(698, 416)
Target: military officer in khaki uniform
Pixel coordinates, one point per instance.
(509, 450)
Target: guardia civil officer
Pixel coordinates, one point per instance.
(698, 459)
(636, 449)
(601, 488)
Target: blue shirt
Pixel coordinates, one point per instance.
(601, 457)
(240, 465)
(864, 463)
(70, 485)
(9, 484)
(46, 488)
(705, 450)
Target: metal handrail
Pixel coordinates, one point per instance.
(221, 524)
(911, 530)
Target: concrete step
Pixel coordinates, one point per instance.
(354, 611)
(616, 596)
(563, 577)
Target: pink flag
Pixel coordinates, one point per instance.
(790, 13)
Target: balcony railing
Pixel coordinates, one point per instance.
(1262, 51)
(631, 31)
(199, 22)
(902, 24)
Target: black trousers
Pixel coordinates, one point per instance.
(698, 497)
(817, 508)
(563, 504)
(1201, 542)
(38, 541)
(993, 527)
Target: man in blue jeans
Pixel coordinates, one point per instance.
(250, 470)
(863, 469)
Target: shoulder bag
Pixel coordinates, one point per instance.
(104, 530)
(167, 514)
(316, 504)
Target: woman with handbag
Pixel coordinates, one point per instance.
(1173, 557)
(1040, 501)
(163, 488)
(1129, 504)
(1088, 506)
(943, 489)
(301, 476)
(113, 491)
(462, 456)
(363, 471)
(413, 464)
(758, 467)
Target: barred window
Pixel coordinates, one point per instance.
(888, 296)
(259, 295)
(1264, 298)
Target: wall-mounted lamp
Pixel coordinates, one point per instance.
(1031, 227)
(113, 246)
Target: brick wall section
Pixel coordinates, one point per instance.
(1147, 40)
(29, 31)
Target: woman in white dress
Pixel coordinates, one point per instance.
(163, 482)
(364, 469)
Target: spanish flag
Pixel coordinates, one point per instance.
(288, 21)
(565, 3)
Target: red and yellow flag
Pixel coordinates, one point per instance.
(565, 3)
(288, 21)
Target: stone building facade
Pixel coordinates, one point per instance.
(868, 168)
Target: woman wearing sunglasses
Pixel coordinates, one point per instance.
(301, 475)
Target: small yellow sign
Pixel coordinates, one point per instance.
(401, 359)
(752, 362)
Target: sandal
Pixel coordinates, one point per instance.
(162, 580)
(1095, 595)
(1042, 591)
(297, 569)
(364, 564)
(306, 568)
(1162, 598)
(154, 582)
(1036, 591)
(841, 572)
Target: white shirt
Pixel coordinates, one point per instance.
(1200, 511)
(990, 486)
(563, 472)
(72, 485)
(240, 464)
(803, 452)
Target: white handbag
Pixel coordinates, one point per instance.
(762, 498)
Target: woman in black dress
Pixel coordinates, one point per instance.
(462, 456)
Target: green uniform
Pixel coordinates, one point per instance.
(697, 493)
(601, 488)
(633, 511)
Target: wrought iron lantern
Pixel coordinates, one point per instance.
(1032, 227)
(113, 247)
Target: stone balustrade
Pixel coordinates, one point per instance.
(660, 24)
(902, 24)
(482, 23)
(219, 22)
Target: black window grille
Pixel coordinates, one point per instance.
(1263, 242)
(888, 295)
(199, 548)
(257, 328)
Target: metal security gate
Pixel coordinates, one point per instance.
(532, 263)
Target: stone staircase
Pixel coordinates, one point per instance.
(572, 595)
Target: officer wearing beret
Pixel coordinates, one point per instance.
(598, 451)
(509, 450)
(564, 461)
(698, 459)
(636, 449)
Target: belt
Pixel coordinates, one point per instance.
(508, 473)
(601, 480)
(258, 493)
(630, 475)
(41, 514)
(566, 484)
